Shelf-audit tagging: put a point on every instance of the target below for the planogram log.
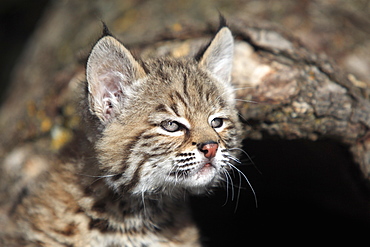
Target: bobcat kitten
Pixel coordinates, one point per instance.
(157, 130)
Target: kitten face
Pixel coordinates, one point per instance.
(168, 127)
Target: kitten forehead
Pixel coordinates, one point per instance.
(184, 81)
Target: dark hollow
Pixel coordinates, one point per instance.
(308, 191)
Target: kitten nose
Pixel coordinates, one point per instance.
(209, 149)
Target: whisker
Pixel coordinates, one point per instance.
(250, 159)
(247, 101)
(246, 179)
(232, 185)
(96, 180)
(234, 89)
(243, 119)
(143, 201)
(171, 170)
(241, 88)
(238, 197)
(168, 177)
(233, 158)
(99, 176)
(245, 162)
(227, 186)
(229, 181)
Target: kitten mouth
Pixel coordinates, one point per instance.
(199, 177)
(200, 174)
(205, 169)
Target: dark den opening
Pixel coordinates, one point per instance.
(308, 189)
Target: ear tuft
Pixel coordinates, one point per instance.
(222, 21)
(110, 72)
(106, 31)
(218, 56)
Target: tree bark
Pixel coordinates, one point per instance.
(283, 89)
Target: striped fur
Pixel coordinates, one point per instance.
(157, 130)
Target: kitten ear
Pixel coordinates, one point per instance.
(110, 72)
(218, 56)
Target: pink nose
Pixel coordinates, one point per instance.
(209, 149)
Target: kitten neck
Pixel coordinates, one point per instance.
(153, 212)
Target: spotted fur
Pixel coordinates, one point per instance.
(157, 131)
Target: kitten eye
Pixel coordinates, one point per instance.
(170, 126)
(217, 122)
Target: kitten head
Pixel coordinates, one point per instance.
(166, 125)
